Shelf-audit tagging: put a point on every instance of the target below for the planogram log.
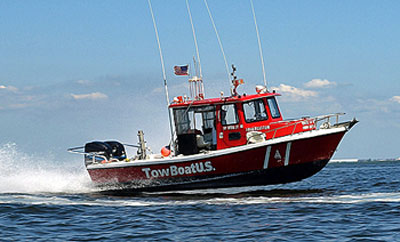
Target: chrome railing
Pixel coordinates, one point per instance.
(79, 150)
(313, 120)
(93, 155)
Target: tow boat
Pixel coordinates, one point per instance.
(227, 141)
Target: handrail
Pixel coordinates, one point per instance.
(314, 119)
(93, 154)
(79, 150)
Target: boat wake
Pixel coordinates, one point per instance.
(24, 173)
(177, 199)
(28, 179)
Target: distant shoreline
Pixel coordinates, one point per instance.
(363, 160)
(344, 160)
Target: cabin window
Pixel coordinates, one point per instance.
(209, 119)
(229, 114)
(273, 107)
(209, 129)
(182, 120)
(254, 111)
(188, 120)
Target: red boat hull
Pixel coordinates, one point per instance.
(280, 162)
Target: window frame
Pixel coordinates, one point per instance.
(255, 102)
(272, 100)
(185, 117)
(236, 116)
(182, 120)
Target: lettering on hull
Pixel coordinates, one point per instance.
(173, 170)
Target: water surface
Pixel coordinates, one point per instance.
(43, 200)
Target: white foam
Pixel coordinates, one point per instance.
(23, 173)
(170, 201)
(30, 179)
(347, 199)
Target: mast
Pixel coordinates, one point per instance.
(171, 126)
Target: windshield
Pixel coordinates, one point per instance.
(273, 107)
(254, 111)
(190, 119)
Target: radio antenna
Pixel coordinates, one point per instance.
(219, 40)
(259, 43)
(195, 39)
(164, 75)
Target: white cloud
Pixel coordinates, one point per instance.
(91, 96)
(395, 99)
(9, 88)
(319, 83)
(84, 82)
(19, 105)
(294, 93)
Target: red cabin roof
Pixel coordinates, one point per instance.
(222, 100)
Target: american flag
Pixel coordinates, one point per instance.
(181, 70)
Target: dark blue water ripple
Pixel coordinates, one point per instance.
(345, 202)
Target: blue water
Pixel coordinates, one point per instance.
(43, 200)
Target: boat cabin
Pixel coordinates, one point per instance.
(219, 123)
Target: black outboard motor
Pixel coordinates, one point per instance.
(118, 150)
(101, 148)
(109, 149)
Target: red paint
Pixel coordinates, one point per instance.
(302, 151)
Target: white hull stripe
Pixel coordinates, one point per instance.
(266, 159)
(287, 154)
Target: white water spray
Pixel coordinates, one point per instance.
(23, 173)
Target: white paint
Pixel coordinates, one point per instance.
(182, 170)
(277, 155)
(266, 159)
(287, 154)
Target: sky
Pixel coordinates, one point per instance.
(76, 71)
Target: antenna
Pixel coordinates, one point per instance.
(159, 48)
(164, 75)
(195, 66)
(259, 42)
(194, 37)
(218, 38)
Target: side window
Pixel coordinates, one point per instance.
(254, 111)
(229, 114)
(182, 121)
(209, 119)
(273, 107)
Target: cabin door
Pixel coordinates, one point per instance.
(230, 131)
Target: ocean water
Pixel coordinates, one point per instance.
(42, 199)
